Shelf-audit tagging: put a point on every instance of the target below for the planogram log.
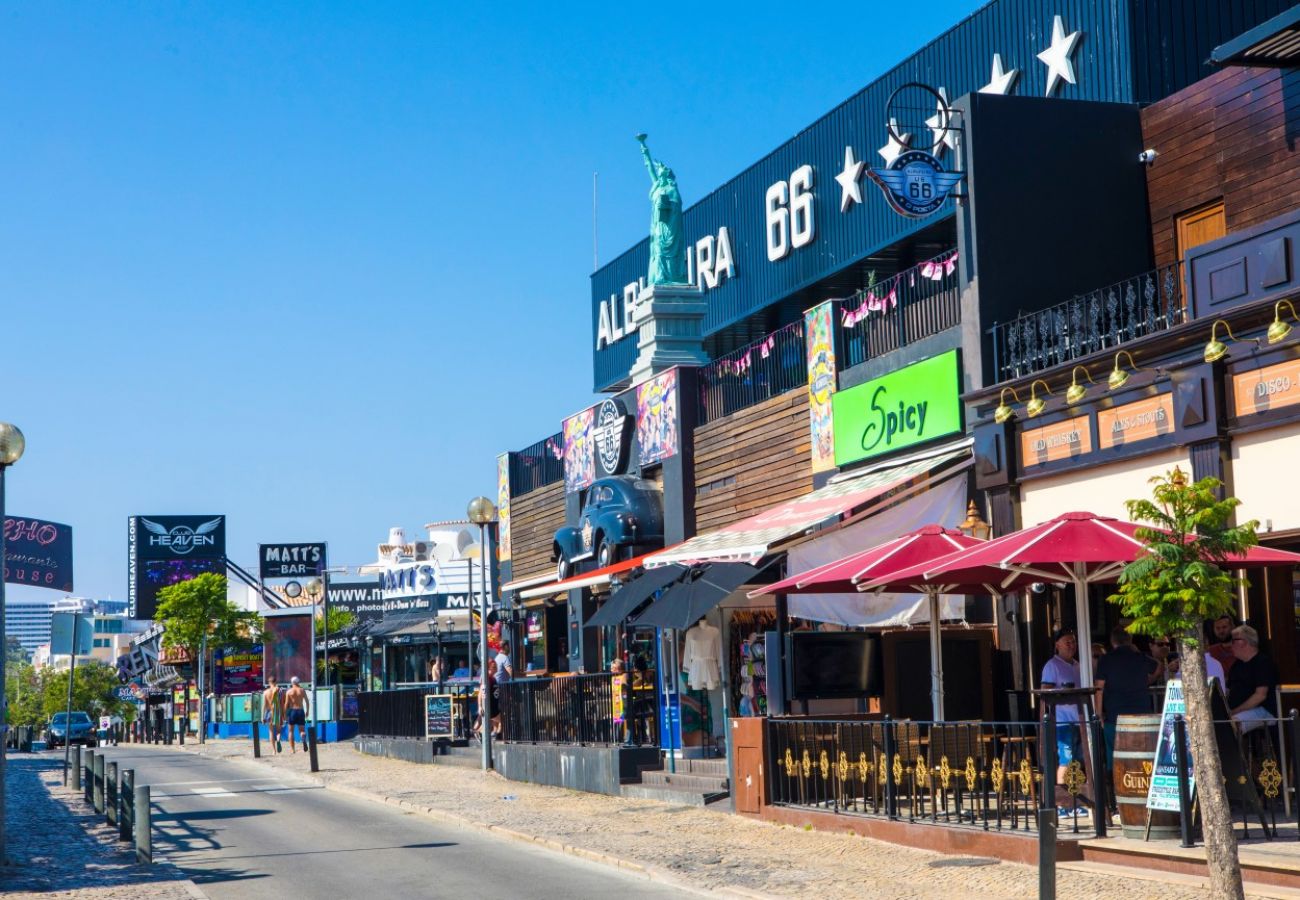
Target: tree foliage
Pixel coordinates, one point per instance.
(338, 620)
(197, 607)
(34, 696)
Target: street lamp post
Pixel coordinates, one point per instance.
(314, 590)
(482, 513)
(12, 445)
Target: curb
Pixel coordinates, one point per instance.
(656, 874)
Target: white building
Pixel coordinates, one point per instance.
(28, 620)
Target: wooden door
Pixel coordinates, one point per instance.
(1199, 226)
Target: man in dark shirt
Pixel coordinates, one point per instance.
(1122, 677)
(1251, 682)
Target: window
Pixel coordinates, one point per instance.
(1200, 226)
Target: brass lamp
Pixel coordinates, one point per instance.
(1279, 329)
(1004, 412)
(1216, 349)
(1036, 403)
(975, 526)
(1075, 392)
(1118, 377)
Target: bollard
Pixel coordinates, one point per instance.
(311, 749)
(257, 727)
(110, 794)
(184, 726)
(143, 825)
(126, 815)
(97, 794)
(76, 768)
(1047, 807)
(88, 785)
(1184, 788)
(1100, 790)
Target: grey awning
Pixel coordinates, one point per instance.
(630, 596)
(686, 602)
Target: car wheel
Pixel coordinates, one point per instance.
(562, 568)
(604, 554)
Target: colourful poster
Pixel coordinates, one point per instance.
(288, 645)
(656, 418)
(579, 451)
(237, 671)
(503, 507)
(819, 335)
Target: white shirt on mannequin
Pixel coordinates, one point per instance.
(702, 658)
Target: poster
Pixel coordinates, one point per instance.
(350, 705)
(287, 645)
(38, 553)
(656, 418)
(503, 507)
(1163, 793)
(618, 684)
(579, 451)
(819, 336)
(237, 671)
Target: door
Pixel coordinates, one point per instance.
(1200, 226)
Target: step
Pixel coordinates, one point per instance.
(716, 767)
(684, 780)
(459, 761)
(669, 794)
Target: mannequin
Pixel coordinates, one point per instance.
(701, 660)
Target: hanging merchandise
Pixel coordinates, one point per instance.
(701, 660)
(747, 662)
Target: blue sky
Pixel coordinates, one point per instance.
(314, 265)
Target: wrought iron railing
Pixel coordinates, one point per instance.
(579, 709)
(914, 304)
(1089, 323)
(536, 466)
(759, 371)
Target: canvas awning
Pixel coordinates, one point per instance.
(751, 539)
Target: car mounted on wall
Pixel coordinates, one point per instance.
(622, 513)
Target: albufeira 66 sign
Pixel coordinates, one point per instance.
(912, 405)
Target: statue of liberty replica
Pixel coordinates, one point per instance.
(667, 242)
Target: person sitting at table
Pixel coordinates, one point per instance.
(1252, 681)
(1062, 671)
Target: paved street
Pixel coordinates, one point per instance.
(242, 835)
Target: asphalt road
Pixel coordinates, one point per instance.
(242, 834)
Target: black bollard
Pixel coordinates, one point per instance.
(1100, 789)
(98, 789)
(110, 794)
(126, 816)
(143, 825)
(1184, 789)
(88, 786)
(76, 768)
(311, 749)
(257, 728)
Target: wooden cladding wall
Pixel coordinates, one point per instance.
(534, 519)
(752, 459)
(1224, 137)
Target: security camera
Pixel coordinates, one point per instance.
(1038, 587)
(1147, 156)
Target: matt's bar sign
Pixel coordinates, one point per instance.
(290, 560)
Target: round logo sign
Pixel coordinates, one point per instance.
(915, 183)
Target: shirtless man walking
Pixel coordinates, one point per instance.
(296, 705)
(272, 712)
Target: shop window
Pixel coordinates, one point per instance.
(1200, 226)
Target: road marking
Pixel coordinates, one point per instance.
(212, 792)
(203, 781)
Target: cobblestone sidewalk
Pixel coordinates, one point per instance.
(709, 850)
(58, 847)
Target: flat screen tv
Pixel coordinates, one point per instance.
(835, 664)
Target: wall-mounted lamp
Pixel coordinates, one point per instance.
(1119, 377)
(1216, 349)
(1279, 329)
(1004, 412)
(1036, 403)
(1076, 392)
(975, 526)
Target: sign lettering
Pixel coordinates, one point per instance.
(909, 406)
(1059, 440)
(1271, 387)
(1142, 420)
(290, 560)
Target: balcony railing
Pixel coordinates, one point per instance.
(914, 304)
(536, 466)
(579, 709)
(754, 373)
(1089, 323)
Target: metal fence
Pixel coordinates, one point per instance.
(1089, 323)
(914, 304)
(536, 466)
(579, 709)
(759, 371)
(391, 713)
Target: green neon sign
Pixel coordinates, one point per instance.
(910, 406)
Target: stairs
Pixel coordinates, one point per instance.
(697, 782)
(470, 757)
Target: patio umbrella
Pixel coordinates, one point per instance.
(631, 595)
(916, 548)
(698, 591)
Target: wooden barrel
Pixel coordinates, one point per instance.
(1135, 753)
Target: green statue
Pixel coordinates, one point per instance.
(667, 243)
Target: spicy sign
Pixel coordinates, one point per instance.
(909, 406)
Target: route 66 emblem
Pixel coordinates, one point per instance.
(915, 183)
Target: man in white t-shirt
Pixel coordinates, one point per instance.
(1062, 671)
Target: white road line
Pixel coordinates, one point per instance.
(212, 792)
(204, 781)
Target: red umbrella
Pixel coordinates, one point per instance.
(917, 548)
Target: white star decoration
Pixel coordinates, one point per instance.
(850, 180)
(1057, 57)
(891, 150)
(939, 122)
(1000, 82)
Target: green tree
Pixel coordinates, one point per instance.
(92, 691)
(23, 695)
(338, 620)
(1173, 590)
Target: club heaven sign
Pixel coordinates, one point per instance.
(912, 405)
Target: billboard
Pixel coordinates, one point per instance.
(38, 553)
(364, 599)
(290, 560)
(165, 550)
(237, 671)
(287, 645)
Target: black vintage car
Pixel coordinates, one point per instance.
(622, 513)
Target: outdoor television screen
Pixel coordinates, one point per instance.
(834, 664)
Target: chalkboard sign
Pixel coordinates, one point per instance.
(438, 715)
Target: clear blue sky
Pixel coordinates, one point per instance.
(314, 265)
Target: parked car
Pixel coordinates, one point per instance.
(79, 729)
(622, 514)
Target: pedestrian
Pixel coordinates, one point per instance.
(273, 712)
(1252, 681)
(1123, 679)
(488, 705)
(296, 705)
(505, 670)
(1062, 671)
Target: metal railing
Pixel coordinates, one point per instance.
(536, 466)
(756, 372)
(1088, 323)
(579, 709)
(914, 304)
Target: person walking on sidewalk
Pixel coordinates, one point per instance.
(272, 712)
(296, 705)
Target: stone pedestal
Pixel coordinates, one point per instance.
(671, 329)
